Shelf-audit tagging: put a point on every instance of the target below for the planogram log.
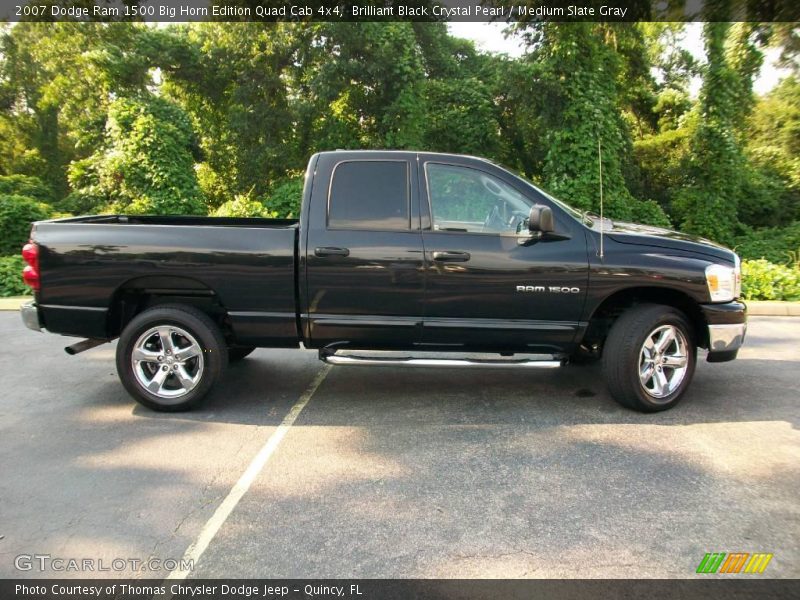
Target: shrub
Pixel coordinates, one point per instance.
(212, 187)
(16, 215)
(649, 212)
(285, 197)
(243, 206)
(85, 202)
(11, 283)
(763, 280)
(26, 185)
(773, 243)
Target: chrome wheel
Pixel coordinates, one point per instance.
(663, 361)
(167, 361)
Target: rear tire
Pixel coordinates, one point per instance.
(649, 357)
(237, 353)
(169, 357)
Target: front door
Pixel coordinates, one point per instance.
(364, 259)
(485, 290)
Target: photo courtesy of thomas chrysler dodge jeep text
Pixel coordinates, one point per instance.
(434, 257)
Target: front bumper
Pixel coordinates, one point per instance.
(724, 338)
(727, 326)
(30, 316)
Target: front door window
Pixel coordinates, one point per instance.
(471, 201)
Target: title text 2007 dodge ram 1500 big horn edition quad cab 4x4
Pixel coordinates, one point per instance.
(399, 251)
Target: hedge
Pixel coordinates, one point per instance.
(11, 283)
(25, 185)
(763, 280)
(778, 245)
(242, 206)
(16, 215)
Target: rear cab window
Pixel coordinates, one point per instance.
(370, 194)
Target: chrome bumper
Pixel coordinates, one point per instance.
(30, 316)
(726, 338)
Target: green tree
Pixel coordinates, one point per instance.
(716, 169)
(577, 91)
(57, 82)
(461, 117)
(231, 80)
(773, 149)
(366, 84)
(146, 164)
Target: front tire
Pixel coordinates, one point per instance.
(169, 357)
(649, 357)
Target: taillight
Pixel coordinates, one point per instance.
(30, 274)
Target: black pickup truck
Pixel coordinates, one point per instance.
(410, 258)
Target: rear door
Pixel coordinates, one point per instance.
(484, 290)
(364, 259)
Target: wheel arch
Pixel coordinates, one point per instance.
(607, 312)
(140, 293)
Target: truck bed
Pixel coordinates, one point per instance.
(246, 264)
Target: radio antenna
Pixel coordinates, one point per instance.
(600, 164)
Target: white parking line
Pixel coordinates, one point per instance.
(196, 549)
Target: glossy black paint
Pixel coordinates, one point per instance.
(248, 264)
(647, 235)
(474, 304)
(730, 313)
(372, 297)
(281, 282)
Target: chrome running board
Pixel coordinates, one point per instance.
(333, 358)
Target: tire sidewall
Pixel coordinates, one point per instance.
(647, 402)
(212, 358)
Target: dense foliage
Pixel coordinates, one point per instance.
(146, 163)
(11, 283)
(775, 244)
(285, 197)
(243, 206)
(24, 185)
(763, 280)
(16, 215)
(215, 118)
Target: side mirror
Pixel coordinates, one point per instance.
(541, 219)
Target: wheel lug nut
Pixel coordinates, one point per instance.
(160, 358)
(165, 368)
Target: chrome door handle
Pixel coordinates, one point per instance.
(329, 251)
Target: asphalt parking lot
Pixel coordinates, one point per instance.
(393, 472)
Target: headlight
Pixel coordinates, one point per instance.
(724, 283)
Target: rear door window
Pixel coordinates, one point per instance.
(370, 194)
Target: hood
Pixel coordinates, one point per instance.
(648, 235)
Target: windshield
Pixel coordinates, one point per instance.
(581, 217)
